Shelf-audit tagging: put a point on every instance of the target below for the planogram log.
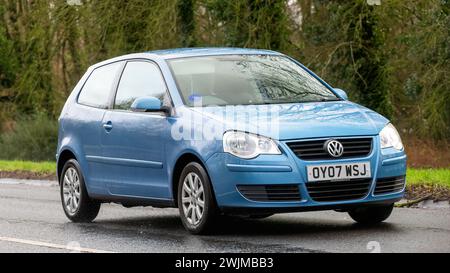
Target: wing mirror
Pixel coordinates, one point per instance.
(341, 93)
(148, 104)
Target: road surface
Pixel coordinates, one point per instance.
(32, 220)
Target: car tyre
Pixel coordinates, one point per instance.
(77, 204)
(371, 215)
(196, 203)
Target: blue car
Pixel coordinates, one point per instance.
(223, 131)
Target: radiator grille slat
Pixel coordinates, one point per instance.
(329, 191)
(315, 150)
(364, 188)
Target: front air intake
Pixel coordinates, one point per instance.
(270, 193)
(390, 185)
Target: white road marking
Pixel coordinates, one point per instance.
(51, 245)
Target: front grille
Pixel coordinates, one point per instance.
(314, 149)
(390, 185)
(270, 193)
(329, 191)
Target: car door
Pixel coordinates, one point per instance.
(133, 143)
(86, 120)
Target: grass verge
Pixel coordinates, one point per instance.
(428, 184)
(429, 177)
(28, 166)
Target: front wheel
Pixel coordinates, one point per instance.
(195, 199)
(76, 203)
(371, 215)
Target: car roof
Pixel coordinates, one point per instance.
(208, 51)
(166, 54)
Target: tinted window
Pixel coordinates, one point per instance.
(97, 89)
(139, 79)
(246, 79)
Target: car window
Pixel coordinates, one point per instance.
(139, 79)
(246, 79)
(97, 89)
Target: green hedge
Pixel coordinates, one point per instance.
(33, 138)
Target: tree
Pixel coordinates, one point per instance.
(8, 63)
(344, 42)
(187, 22)
(368, 57)
(253, 23)
(393, 58)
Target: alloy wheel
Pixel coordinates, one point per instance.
(193, 198)
(71, 190)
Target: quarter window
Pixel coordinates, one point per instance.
(97, 89)
(140, 79)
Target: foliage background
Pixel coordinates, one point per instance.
(393, 58)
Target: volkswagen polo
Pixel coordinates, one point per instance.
(217, 131)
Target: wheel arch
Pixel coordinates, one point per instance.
(181, 162)
(63, 157)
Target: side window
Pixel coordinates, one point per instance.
(98, 87)
(139, 79)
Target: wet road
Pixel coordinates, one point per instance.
(32, 220)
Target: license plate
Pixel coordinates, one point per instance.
(338, 171)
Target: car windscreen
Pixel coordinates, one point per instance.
(245, 80)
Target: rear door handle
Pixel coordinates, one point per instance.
(108, 126)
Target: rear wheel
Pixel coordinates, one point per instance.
(76, 203)
(195, 199)
(371, 215)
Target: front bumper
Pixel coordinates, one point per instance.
(227, 172)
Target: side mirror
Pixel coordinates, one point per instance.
(148, 104)
(341, 93)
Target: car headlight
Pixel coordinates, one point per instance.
(389, 137)
(246, 145)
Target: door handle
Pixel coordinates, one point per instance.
(108, 126)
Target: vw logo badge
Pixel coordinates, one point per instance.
(334, 148)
